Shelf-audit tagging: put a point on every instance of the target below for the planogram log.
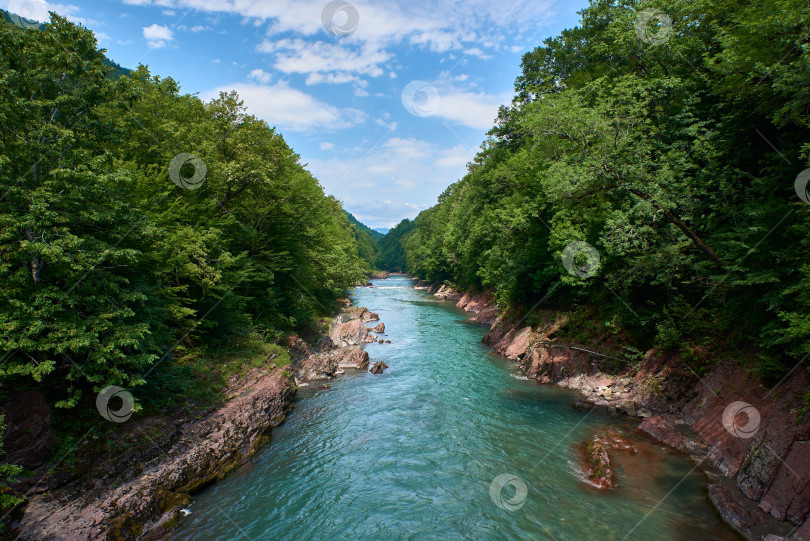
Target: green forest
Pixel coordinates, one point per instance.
(148, 237)
(657, 155)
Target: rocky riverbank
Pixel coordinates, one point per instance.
(750, 439)
(142, 488)
(139, 492)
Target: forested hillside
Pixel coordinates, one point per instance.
(650, 165)
(368, 241)
(392, 251)
(145, 234)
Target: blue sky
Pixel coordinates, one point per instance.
(385, 102)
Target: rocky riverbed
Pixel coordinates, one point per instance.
(749, 438)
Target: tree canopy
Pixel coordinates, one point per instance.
(668, 137)
(137, 222)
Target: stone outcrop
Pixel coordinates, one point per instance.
(326, 365)
(384, 275)
(347, 334)
(347, 330)
(380, 328)
(140, 490)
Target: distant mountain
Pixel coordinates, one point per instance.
(383, 230)
(373, 233)
(12, 19)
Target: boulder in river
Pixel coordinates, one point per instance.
(378, 367)
(354, 358)
(380, 328)
(597, 464)
(348, 329)
(597, 455)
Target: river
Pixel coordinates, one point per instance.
(413, 453)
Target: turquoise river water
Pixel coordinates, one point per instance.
(413, 453)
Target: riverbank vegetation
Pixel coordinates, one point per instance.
(147, 236)
(668, 136)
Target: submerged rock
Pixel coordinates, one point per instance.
(378, 367)
(597, 464)
(597, 457)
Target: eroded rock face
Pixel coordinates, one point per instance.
(802, 533)
(664, 429)
(28, 432)
(384, 275)
(724, 499)
(136, 493)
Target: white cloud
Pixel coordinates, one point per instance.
(327, 146)
(475, 51)
(37, 10)
(290, 109)
(260, 75)
(325, 62)
(199, 28)
(390, 126)
(436, 26)
(474, 109)
(157, 36)
(393, 180)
